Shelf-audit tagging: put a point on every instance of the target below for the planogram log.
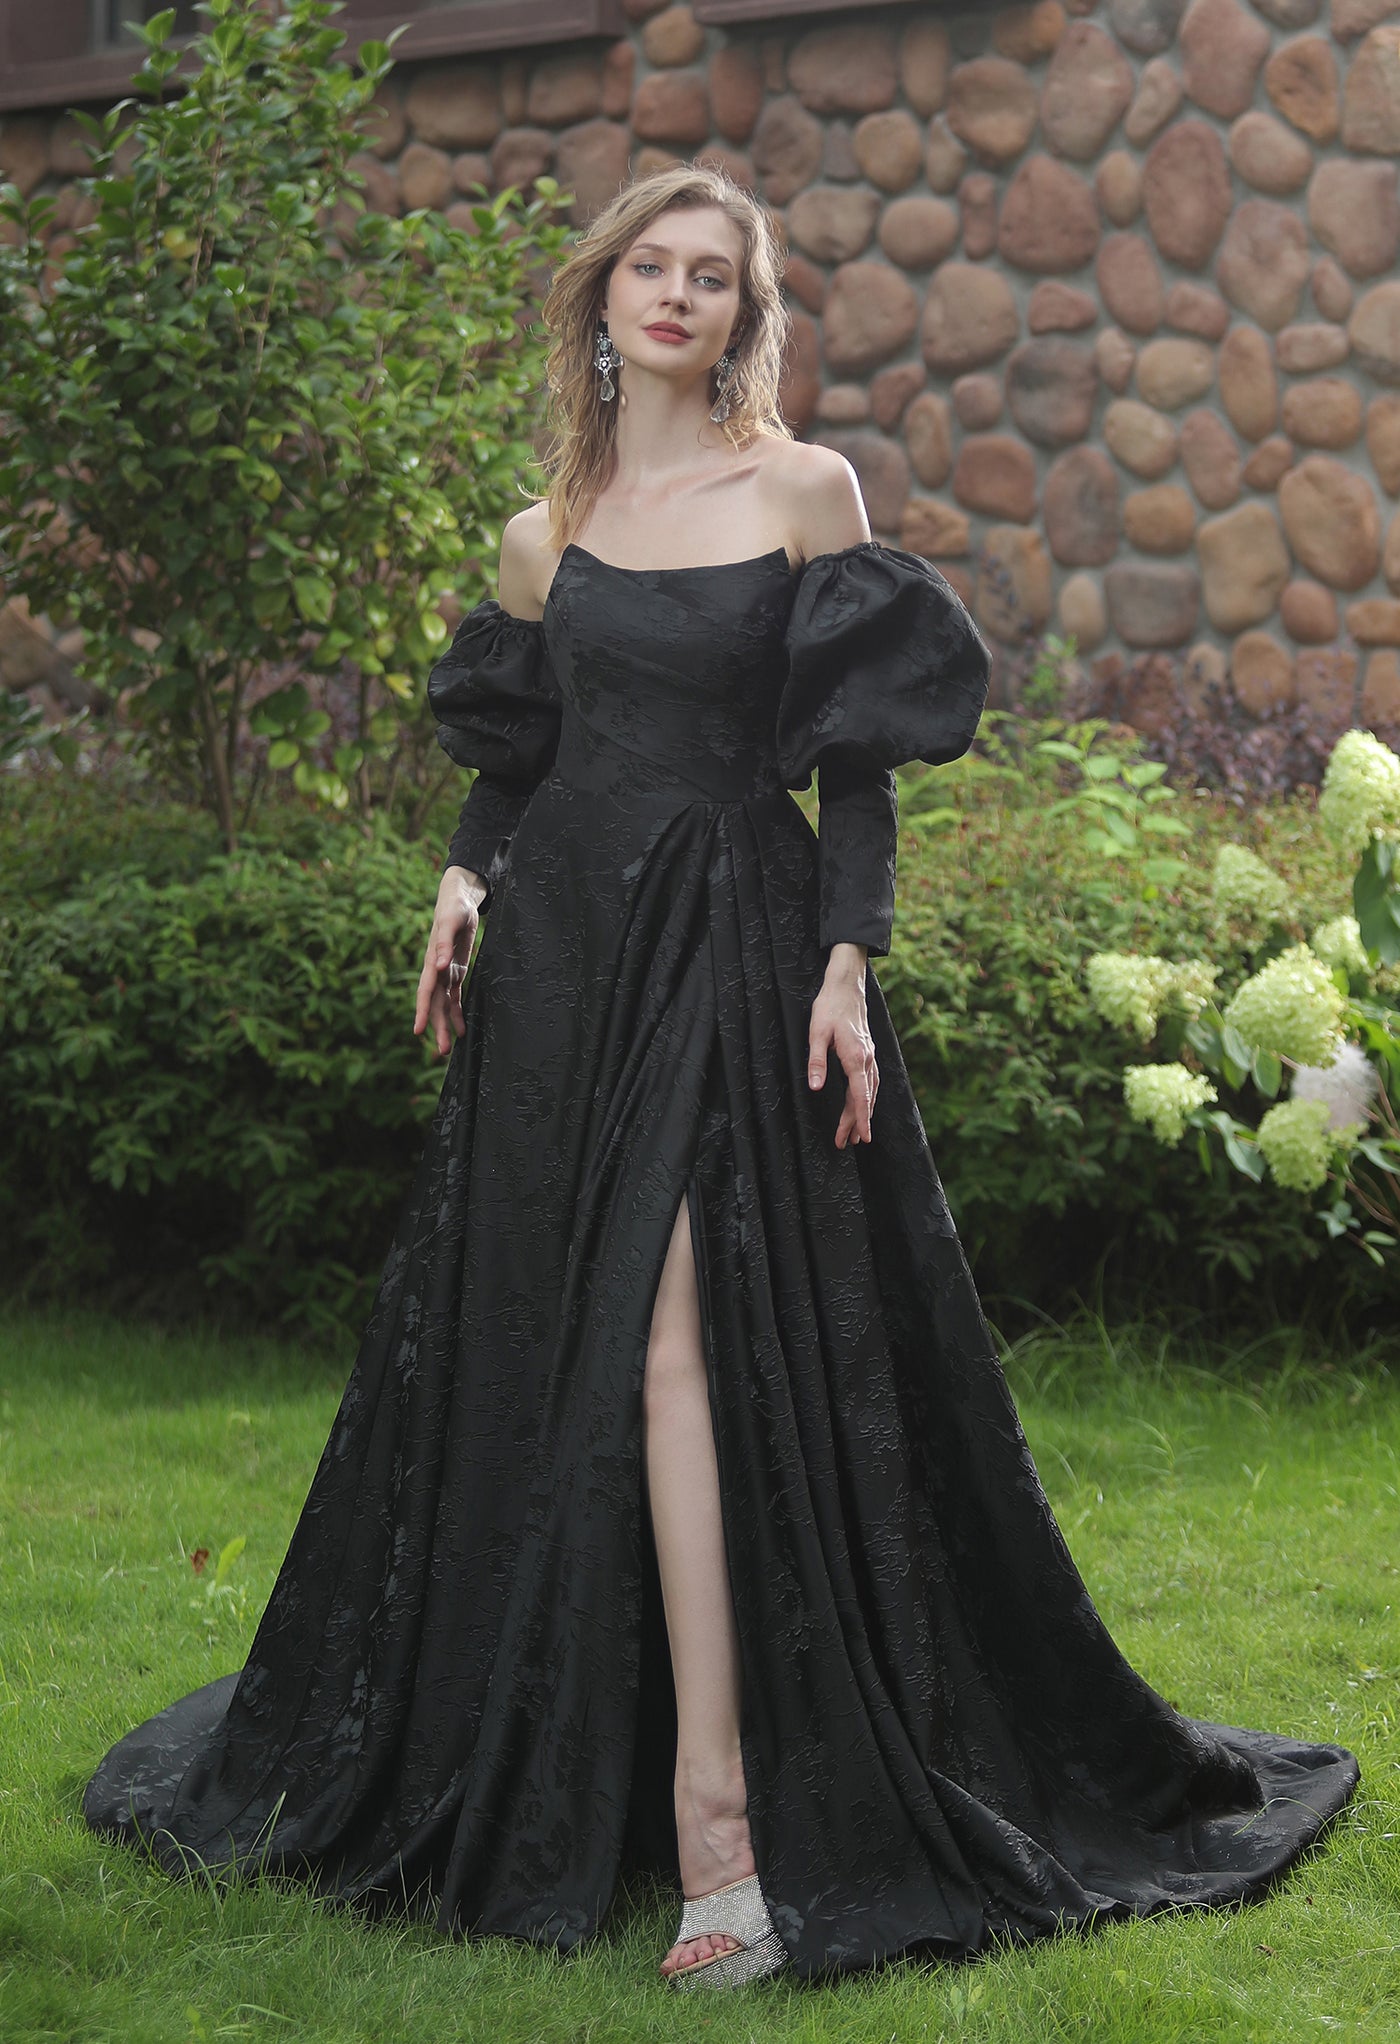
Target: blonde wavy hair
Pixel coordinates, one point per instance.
(579, 461)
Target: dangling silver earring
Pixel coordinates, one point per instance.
(726, 388)
(605, 360)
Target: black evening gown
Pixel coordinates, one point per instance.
(458, 1700)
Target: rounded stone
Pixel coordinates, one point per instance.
(1211, 459)
(1013, 597)
(1057, 308)
(1172, 373)
(1264, 263)
(891, 391)
(1290, 13)
(1371, 103)
(382, 191)
(1375, 621)
(870, 314)
(1268, 155)
(1142, 439)
(425, 176)
(995, 474)
(471, 175)
(1380, 693)
(1383, 441)
(916, 232)
(787, 149)
(945, 159)
(977, 401)
(1079, 508)
(1244, 565)
(619, 71)
(1331, 289)
(1082, 614)
(671, 106)
(1262, 673)
(930, 527)
(1049, 218)
(1203, 672)
(383, 124)
(1153, 604)
(1353, 18)
(928, 436)
(1248, 382)
(977, 209)
(1374, 331)
(1301, 80)
(1030, 32)
(458, 106)
(673, 36)
(1327, 684)
(1316, 344)
(591, 162)
(1159, 96)
(1269, 463)
(844, 404)
(889, 148)
(1118, 182)
(1051, 385)
(992, 108)
(1354, 210)
(804, 281)
(1390, 561)
(1309, 613)
(882, 470)
(1222, 49)
(1195, 309)
(800, 382)
(1146, 26)
(1186, 192)
(735, 80)
(562, 90)
(1130, 283)
(1160, 520)
(1087, 91)
(518, 157)
(969, 319)
(1332, 521)
(833, 223)
(848, 69)
(924, 59)
(1115, 355)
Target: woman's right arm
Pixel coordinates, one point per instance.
(461, 892)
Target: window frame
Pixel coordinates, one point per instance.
(497, 25)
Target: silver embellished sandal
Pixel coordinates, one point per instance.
(737, 1910)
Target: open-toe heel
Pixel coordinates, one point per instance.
(736, 1910)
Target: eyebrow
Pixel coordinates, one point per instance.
(662, 249)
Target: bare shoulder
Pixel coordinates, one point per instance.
(816, 497)
(525, 570)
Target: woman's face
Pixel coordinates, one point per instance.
(672, 298)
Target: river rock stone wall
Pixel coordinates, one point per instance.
(1099, 297)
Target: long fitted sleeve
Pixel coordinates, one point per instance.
(497, 710)
(885, 666)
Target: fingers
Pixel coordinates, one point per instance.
(439, 1002)
(862, 1084)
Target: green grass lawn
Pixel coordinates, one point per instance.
(1237, 1518)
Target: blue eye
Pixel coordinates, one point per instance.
(707, 278)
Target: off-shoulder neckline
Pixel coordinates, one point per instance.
(859, 546)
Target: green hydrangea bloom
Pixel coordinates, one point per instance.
(1247, 892)
(1292, 1007)
(1298, 1144)
(1163, 1096)
(1339, 943)
(1131, 990)
(1360, 791)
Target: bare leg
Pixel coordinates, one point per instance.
(682, 1477)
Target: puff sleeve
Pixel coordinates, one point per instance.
(498, 710)
(885, 666)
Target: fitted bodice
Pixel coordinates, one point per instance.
(669, 678)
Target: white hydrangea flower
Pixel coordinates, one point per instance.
(1163, 1096)
(1347, 1086)
(1360, 791)
(1297, 1143)
(1339, 943)
(1248, 892)
(1292, 1007)
(1131, 990)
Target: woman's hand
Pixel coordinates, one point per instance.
(840, 1023)
(460, 895)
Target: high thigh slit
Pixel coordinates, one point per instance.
(456, 1700)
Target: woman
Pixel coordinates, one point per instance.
(677, 1513)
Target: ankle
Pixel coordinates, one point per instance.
(712, 1787)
